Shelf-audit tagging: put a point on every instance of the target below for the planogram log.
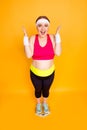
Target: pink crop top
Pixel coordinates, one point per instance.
(43, 53)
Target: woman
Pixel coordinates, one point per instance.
(42, 48)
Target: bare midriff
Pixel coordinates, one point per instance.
(43, 64)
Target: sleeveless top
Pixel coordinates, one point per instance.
(43, 53)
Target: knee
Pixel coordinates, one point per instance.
(45, 93)
(37, 93)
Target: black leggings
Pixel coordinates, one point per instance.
(41, 84)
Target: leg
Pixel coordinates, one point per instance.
(47, 82)
(38, 100)
(37, 83)
(45, 99)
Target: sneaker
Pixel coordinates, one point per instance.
(46, 109)
(38, 108)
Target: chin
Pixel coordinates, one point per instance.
(43, 35)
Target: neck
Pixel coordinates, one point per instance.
(42, 37)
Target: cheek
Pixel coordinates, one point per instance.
(46, 29)
(38, 29)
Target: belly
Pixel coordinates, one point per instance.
(42, 64)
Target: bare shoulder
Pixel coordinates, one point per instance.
(52, 37)
(32, 39)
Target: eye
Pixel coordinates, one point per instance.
(39, 25)
(46, 25)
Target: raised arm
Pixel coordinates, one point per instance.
(58, 47)
(28, 46)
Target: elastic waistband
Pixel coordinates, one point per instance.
(42, 73)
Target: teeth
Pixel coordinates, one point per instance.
(42, 32)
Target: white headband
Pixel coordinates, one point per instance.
(42, 20)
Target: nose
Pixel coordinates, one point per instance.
(42, 28)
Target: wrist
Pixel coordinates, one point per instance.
(26, 40)
(57, 38)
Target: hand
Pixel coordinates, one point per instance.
(24, 30)
(58, 29)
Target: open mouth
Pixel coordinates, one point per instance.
(42, 32)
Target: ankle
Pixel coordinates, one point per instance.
(38, 104)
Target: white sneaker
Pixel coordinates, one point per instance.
(38, 108)
(46, 109)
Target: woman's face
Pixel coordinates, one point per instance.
(42, 29)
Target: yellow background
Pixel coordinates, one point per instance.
(68, 98)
